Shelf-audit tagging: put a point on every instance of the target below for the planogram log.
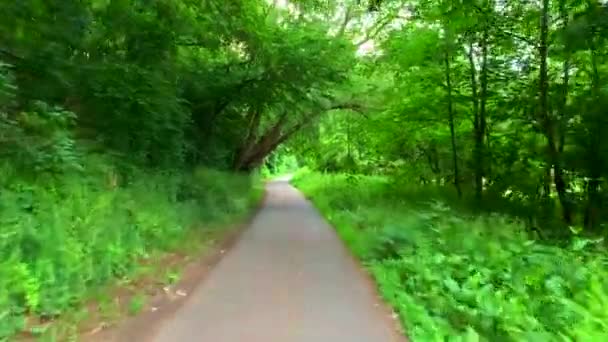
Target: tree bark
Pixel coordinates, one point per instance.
(451, 121)
(254, 151)
(249, 141)
(592, 212)
(345, 21)
(547, 122)
(560, 183)
(563, 12)
(481, 127)
(478, 147)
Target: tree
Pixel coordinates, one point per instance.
(527, 75)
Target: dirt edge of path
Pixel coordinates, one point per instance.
(163, 304)
(386, 308)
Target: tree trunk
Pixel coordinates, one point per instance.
(481, 127)
(478, 147)
(249, 141)
(592, 212)
(348, 139)
(254, 150)
(547, 180)
(451, 121)
(563, 115)
(548, 125)
(263, 148)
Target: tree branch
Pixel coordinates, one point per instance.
(347, 18)
(376, 30)
(252, 155)
(519, 37)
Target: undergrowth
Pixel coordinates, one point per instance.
(457, 277)
(64, 236)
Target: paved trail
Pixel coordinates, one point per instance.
(289, 279)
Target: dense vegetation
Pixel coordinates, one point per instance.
(124, 124)
(473, 183)
(62, 241)
(502, 100)
(460, 277)
(112, 116)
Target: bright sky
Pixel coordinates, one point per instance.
(366, 48)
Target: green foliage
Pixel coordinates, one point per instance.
(455, 277)
(119, 121)
(107, 107)
(172, 276)
(168, 84)
(40, 140)
(136, 304)
(59, 240)
(484, 96)
(279, 163)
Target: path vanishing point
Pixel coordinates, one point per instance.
(288, 279)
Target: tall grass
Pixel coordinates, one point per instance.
(457, 277)
(60, 238)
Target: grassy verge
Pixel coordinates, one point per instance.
(64, 241)
(455, 277)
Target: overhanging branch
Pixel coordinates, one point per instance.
(253, 155)
(376, 30)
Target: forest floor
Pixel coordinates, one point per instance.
(288, 278)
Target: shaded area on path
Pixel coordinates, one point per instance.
(288, 279)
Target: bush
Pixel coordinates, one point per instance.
(455, 277)
(60, 239)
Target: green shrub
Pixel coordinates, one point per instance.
(455, 277)
(59, 239)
